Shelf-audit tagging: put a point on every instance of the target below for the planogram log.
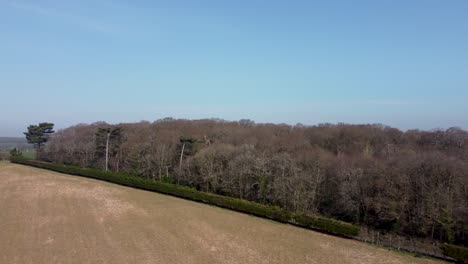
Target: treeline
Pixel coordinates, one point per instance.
(412, 183)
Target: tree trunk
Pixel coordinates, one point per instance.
(181, 156)
(107, 151)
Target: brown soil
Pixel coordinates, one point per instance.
(48, 217)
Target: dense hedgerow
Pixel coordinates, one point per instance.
(456, 252)
(271, 212)
(322, 223)
(266, 211)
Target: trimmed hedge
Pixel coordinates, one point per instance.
(458, 253)
(266, 211)
(330, 225)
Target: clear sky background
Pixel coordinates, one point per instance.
(400, 63)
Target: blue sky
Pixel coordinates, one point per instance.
(400, 63)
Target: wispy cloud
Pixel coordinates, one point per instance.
(70, 18)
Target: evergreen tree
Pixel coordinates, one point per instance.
(39, 134)
(108, 141)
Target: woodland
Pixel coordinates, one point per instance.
(410, 183)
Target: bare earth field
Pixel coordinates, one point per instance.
(48, 217)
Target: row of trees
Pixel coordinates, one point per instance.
(411, 183)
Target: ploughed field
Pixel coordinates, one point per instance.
(48, 217)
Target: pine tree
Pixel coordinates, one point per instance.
(108, 141)
(39, 134)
